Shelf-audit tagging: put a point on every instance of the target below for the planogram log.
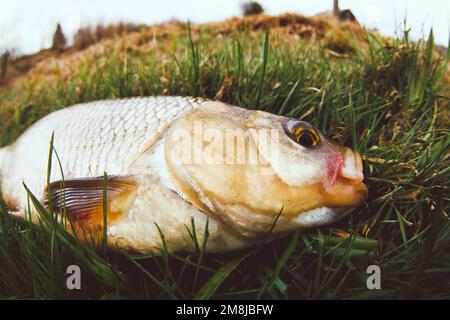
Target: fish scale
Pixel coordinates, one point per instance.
(100, 134)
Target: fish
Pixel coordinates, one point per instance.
(174, 172)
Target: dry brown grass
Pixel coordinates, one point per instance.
(335, 35)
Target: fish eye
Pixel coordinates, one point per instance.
(306, 137)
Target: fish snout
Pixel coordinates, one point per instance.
(345, 176)
(352, 166)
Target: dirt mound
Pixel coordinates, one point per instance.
(293, 25)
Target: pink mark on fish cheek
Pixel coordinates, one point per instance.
(334, 163)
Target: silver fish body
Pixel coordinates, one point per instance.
(156, 186)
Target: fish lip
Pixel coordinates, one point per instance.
(360, 187)
(345, 193)
(361, 190)
(352, 168)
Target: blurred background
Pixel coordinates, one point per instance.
(27, 26)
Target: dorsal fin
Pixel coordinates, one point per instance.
(81, 200)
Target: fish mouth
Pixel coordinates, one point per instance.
(339, 201)
(345, 193)
(346, 188)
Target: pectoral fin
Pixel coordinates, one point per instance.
(81, 200)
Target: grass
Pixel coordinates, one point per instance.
(386, 98)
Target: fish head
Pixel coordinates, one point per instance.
(255, 171)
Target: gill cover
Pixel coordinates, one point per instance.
(245, 167)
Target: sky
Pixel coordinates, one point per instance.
(28, 25)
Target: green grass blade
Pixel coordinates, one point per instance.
(210, 287)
